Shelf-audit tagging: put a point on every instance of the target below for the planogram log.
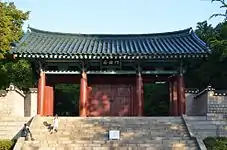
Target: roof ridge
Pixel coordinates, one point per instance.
(178, 32)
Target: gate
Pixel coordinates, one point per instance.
(111, 100)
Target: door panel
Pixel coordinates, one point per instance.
(48, 101)
(111, 100)
(99, 100)
(121, 105)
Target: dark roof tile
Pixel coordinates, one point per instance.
(170, 43)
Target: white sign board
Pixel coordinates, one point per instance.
(114, 135)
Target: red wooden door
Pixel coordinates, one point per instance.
(48, 104)
(99, 100)
(111, 100)
(121, 104)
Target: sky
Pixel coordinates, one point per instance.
(117, 16)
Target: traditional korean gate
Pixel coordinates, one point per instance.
(111, 100)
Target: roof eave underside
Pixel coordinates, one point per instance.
(109, 56)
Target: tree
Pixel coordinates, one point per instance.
(223, 5)
(11, 23)
(212, 71)
(18, 72)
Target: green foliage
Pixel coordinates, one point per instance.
(11, 23)
(205, 31)
(219, 143)
(156, 100)
(67, 99)
(6, 144)
(11, 71)
(17, 72)
(212, 70)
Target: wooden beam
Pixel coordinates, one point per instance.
(154, 72)
(63, 78)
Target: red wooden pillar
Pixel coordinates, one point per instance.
(175, 103)
(139, 91)
(41, 89)
(170, 98)
(181, 94)
(83, 94)
(48, 101)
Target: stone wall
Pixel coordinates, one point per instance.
(14, 102)
(31, 102)
(196, 102)
(217, 102)
(190, 103)
(209, 102)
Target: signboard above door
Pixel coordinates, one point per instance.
(110, 63)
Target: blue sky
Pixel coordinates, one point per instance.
(117, 16)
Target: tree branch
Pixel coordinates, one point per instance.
(216, 15)
(221, 1)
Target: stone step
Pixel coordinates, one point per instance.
(9, 132)
(90, 124)
(72, 147)
(112, 128)
(117, 126)
(92, 132)
(9, 129)
(126, 128)
(17, 123)
(98, 147)
(101, 129)
(107, 129)
(148, 132)
(131, 147)
(11, 125)
(164, 143)
(6, 127)
(121, 134)
(13, 119)
(131, 122)
(54, 137)
(103, 135)
(115, 121)
(160, 141)
(6, 137)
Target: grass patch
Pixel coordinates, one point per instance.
(219, 143)
(7, 144)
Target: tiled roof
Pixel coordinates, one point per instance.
(38, 43)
